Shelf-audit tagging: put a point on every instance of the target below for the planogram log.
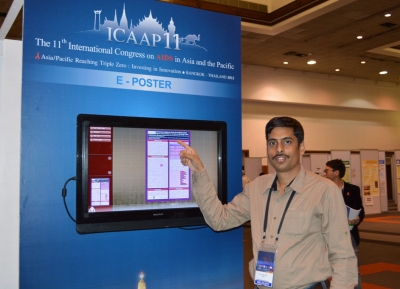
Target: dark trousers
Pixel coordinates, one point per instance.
(320, 285)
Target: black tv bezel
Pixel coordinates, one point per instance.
(141, 219)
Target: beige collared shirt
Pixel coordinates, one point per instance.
(314, 242)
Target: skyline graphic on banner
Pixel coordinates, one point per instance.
(148, 31)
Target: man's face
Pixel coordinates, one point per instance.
(283, 150)
(329, 173)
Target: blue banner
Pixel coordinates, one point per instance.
(138, 58)
(136, 38)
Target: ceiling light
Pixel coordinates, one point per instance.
(337, 69)
(311, 62)
(285, 62)
(362, 62)
(383, 72)
(388, 15)
(359, 37)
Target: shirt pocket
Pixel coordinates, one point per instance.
(295, 224)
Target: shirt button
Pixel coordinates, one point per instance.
(271, 236)
(274, 218)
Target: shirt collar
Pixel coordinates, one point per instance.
(296, 184)
(274, 186)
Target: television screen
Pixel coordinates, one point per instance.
(129, 173)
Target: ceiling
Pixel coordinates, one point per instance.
(296, 31)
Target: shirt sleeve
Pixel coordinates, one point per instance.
(217, 215)
(337, 236)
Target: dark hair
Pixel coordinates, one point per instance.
(337, 165)
(285, 121)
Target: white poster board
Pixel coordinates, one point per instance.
(355, 168)
(318, 162)
(370, 181)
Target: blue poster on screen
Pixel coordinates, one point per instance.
(141, 58)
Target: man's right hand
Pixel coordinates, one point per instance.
(189, 157)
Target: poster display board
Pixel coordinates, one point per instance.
(142, 58)
(318, 162)
(355, 161)
(370, 177)
(370, 181)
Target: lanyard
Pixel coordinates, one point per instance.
(283, 216)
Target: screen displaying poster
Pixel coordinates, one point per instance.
(167, 178)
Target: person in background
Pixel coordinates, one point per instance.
(335, 171)
(296, 215)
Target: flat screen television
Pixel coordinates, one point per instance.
(129, 175)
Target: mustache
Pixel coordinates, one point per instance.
(280, 155)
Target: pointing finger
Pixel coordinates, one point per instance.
(183, 144)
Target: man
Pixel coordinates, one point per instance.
(335, 171)
(313, 243)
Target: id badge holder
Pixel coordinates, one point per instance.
(265, 265)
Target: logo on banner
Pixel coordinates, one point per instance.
(146, 32)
